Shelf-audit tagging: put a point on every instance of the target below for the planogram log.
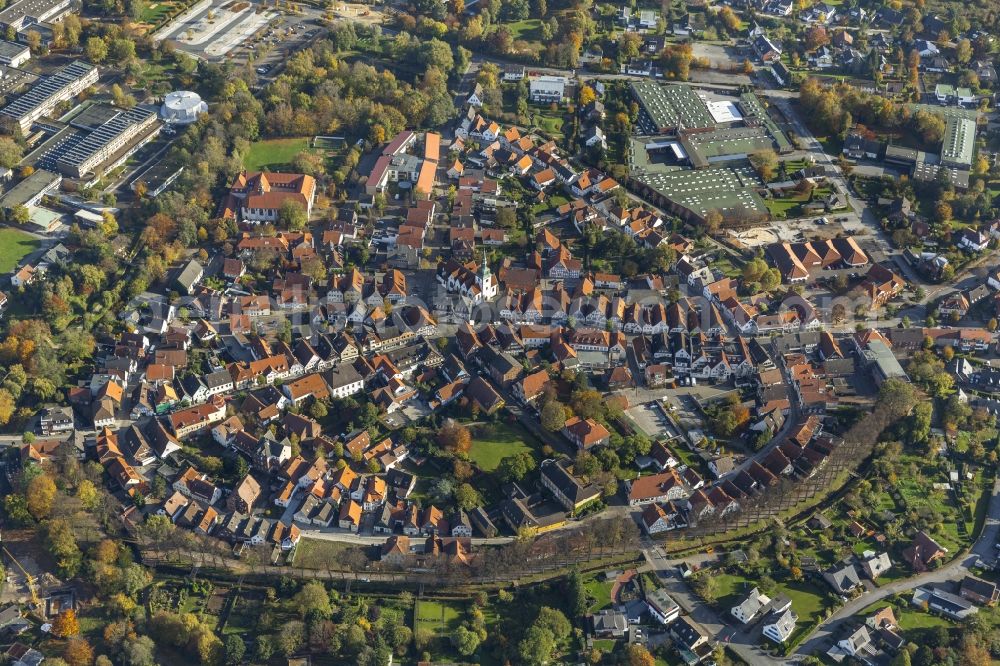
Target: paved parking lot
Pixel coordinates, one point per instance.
(719, 56)
(651, 420)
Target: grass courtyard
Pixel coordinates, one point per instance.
(548, 121)
(491, 443)
(598, 593)
(529, 30)
(438, 616)
(274, 154)
(14, 246)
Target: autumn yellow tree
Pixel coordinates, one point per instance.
(7, 405)
(105, 552)
(587, 95)
(639, 656)
(87, 493)
(78, 652)
(41, 494)
(65, 624)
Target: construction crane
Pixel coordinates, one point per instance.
(28, 578)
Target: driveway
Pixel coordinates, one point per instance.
(739, 641)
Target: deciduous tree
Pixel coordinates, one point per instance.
(41, 495)
(65, 624)
(455, 437)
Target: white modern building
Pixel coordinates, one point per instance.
(182, 107)
(781, 628)
(662, 607)
(546, 89)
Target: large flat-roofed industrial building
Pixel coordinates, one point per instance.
(66, 83)
(668, 108)
(30, 191)
(28, 12)
(692, 147)
(959, 142)
(105, 136)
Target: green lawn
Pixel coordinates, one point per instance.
(784, 207)
(918, 619)
(551, 203)
(550, 122)
(600, 592)
(273, 153)
(493, 442)
(318, 553)
(14, 245)
(807, 598)
(605, 645)
(529, 29)
(725, 264)
(909, 617)
(154, 12)
(438, 617)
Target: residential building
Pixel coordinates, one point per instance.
(547, 89)
(666, 486)
(979, 591)
(750, 606)
(661, 606)
(609, 623)
(585, 433)
(780, 628)
(945, 603)
(244, 496)
(874, 565)
(571, 492)
(843, 579)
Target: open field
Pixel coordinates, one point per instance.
(492, 443)
(274, 154)
(317, 553)
(14, 246)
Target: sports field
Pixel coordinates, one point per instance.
(274, 154)
(14, 245)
